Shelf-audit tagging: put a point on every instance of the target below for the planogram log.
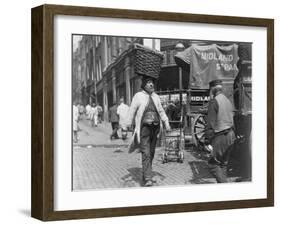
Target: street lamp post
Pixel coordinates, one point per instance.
(179, 48)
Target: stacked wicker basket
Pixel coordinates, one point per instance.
(147, 61)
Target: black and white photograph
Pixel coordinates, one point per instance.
(152, 112)
(140, 113)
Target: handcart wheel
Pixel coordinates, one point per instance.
(199, 126)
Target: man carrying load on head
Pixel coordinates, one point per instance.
(147, 112)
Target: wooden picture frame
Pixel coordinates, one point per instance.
(42, 203)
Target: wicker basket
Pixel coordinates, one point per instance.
(147, 61)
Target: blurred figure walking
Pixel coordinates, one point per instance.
(94, 115)
(88, 111)
(114, 119)
(100, 111)
(122, 111)
(75, 122)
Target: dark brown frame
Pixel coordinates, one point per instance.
(42, 170)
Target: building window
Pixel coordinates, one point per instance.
(100, 70)
(99, 76)
(109, 51)
(97, 72)
(87, 65)
(172, 59)
(97, 40)
(165, 58)
(105, 56)
(119, 45)
(169, 57)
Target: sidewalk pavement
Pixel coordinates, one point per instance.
(98, 136)
(103, 168)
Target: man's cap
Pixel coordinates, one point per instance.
(145, 79)
(215, 83)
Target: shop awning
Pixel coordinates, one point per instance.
(209, 62)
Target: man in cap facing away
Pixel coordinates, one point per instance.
(220, 132)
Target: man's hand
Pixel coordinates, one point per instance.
(209, 134)
(206, 141)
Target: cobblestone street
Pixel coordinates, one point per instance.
(95, 168)
(98, 136)
(99, 163)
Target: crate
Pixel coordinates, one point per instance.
(147, 61)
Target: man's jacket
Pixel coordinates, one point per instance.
(113, 116)
(137, 108)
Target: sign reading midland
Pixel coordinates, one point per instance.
(210, 62)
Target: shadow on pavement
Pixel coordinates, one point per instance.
(118, 150)
(200, 172)
(134, 177)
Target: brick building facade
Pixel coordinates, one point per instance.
(103, 67)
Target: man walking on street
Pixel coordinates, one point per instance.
(88, 111)
(81, 110)
(94, 115)
(75, 117)
(147, 112)
(99, 113)
(114, 119)
(122, 112)
(220, 132)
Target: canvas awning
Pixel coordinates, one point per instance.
(208, 62)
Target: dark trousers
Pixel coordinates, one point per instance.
(148, 139)
(222, 147)
(115, 127)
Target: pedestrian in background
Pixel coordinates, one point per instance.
(114, 119)
(147, 112)
(220, 132)
(100, 111)
(122, 111)
(88, 111)
(75, 117)
(81, 110)
(94, 115)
